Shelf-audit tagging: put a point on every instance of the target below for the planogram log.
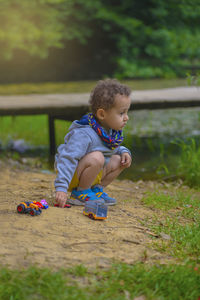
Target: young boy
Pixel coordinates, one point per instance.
(91, 156)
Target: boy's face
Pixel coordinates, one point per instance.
(116, 117)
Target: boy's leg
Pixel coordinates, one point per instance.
(112, 170)
(88, 169)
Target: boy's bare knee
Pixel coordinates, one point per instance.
(93, 159)
(114, 163)
(96, 158)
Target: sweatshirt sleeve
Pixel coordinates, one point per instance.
(68, 157)
(122, 149)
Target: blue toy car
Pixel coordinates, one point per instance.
(95, 210)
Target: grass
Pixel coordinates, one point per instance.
(189, 162)
(119, 282)
(33, 129)
(181, 224)
(82, 86)
(47, 88)
(169, 200)
(184, 240)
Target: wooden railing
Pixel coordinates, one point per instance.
(73, 106)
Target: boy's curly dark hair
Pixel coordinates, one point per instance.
(103, 95)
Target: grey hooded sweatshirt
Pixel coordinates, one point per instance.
(79, 141)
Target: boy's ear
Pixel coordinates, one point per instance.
(100, 113)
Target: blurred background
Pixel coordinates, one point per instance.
(65, 46)
(59, 40)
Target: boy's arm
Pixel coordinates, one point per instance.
(67, 161)
(122, 149)
(126, 157)
(61, 198)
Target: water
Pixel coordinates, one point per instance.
(153, 137)
(165, 122)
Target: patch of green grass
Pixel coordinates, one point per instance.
(83, 86)
(188, 165)
(47, 88)
(156, 282)
(182, 225)
(184, 239)
(169, 200)
(33, 129)
(35, 283)
(79, 270)
(119, 282)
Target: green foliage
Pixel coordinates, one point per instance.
(193, 79)
(188, 165)
(148, 38)
(37, 25)
(164, 43)
(32, 26)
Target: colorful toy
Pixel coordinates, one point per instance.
(29, 208)
(33, 208)
(23, 207)
(44, 203)
(95, 210)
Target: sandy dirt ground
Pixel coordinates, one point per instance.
(65, 237)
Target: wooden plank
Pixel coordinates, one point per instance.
(75, 105)
(166, 98)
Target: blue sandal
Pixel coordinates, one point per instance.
(98, 190)
(80, 197)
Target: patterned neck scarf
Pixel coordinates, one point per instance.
(111, 141)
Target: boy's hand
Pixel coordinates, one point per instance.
(61, 198)
(126, 159)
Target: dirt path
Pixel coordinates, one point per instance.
(65, 237)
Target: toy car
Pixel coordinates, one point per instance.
(40, 204)
(94, 210)
(23, 207)
(35, 210)
(44, 203)
(32, 208)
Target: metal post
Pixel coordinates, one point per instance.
(52, 140)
